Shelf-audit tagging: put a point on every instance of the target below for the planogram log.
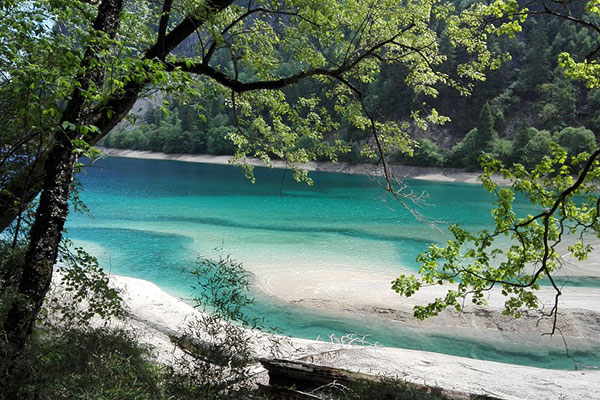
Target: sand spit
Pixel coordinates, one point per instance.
(151, 308)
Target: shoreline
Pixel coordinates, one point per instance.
(153, 312)
(401, 171)
(356, 293)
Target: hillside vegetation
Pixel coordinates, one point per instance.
(513, 115)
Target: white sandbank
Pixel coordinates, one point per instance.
(400, 171)
(152, 308)
(361, 294)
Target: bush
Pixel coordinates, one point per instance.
(197, 142)
(428, 154)
(502, 149)
(219, 369)
(218, 143)
(156, 139)
(522, 136)
(465, 153)
(537, 147)
(85, 364)
(576, 140)
(117, 139)
(176, 142)
(353, 156)
(138, 140)
(62, 362)
(305, 142)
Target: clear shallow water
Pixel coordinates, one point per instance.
(151, 219)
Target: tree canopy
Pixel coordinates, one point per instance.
(72, 70)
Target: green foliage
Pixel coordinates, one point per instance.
(465, 153)
(86, 364)
(87, 292)
(521, 138)
(218, 141)
(535, 86)
(353, 155)
(52, 56)
(74, 70)
(557, 107)
(536, 65)
(502, 149)
(536, 148)
(222, 289)
(219, 367)
(426, 154)
(586, 71)
(475, 262)
(576, 140)
(320, 42)
(478, 141)
(486, 134)
(67, 359)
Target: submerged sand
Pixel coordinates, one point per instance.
(363, 295)
(360, 292)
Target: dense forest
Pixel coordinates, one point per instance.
(514, 115)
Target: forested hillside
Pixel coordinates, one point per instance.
(514, 114)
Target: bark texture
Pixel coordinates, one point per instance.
(46, 232)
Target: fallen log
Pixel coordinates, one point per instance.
(304, 377)
(301, 374)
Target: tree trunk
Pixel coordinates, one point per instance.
(58, 169)
(46, 233)
(45, 237)
(18, 193)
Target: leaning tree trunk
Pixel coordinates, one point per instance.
(45, 237)
(46, 233)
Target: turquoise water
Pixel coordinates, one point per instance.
(151, 219)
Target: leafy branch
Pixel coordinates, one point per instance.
(475, 263)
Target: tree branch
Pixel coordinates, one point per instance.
(240, 87)
(162, 27)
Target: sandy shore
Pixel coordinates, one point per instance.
(153, 311)
(400, 171)
(362, 294)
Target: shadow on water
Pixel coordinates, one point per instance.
(355, 233)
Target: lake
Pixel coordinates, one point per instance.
(151, 219)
